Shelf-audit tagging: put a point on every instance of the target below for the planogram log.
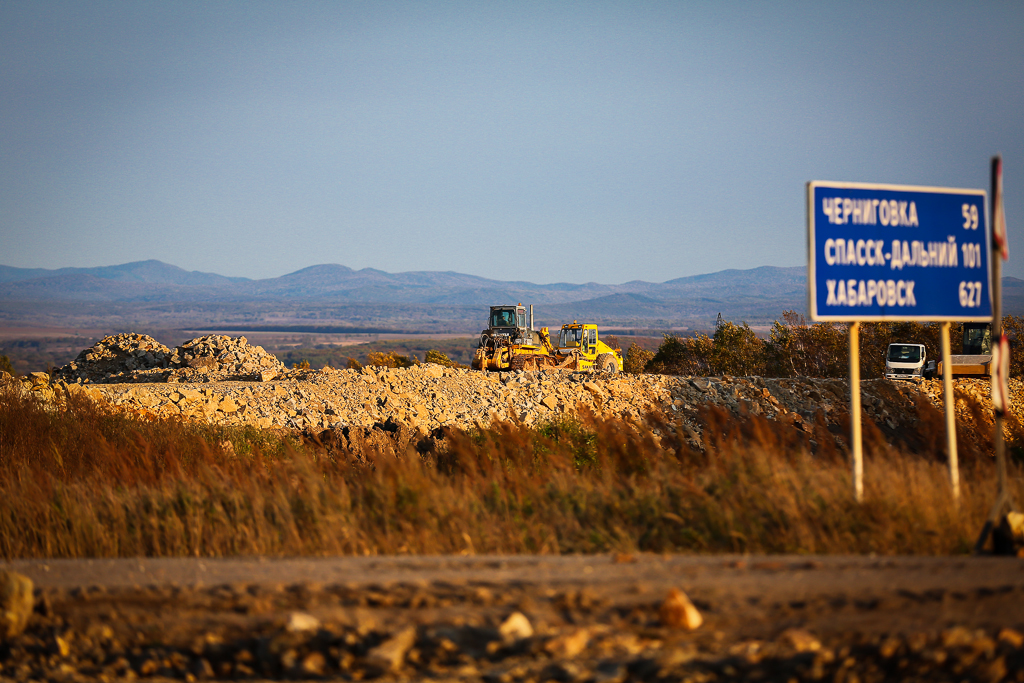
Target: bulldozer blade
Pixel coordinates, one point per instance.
(570, 363)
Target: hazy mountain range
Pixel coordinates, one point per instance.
(157, 281)
(334, 295)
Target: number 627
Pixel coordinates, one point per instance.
(970, 294)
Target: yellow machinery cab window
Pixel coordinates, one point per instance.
(569, 337)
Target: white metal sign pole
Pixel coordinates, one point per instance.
(947, 391)
(856, 443)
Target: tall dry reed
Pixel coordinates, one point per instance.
(84, 481)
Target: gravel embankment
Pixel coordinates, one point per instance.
(429, 396)
(225, 380)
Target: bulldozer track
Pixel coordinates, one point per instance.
(521, 362)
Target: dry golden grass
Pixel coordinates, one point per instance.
(86, 482)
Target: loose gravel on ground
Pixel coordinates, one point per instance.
(523, 619)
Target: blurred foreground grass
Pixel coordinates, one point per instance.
(83, 481)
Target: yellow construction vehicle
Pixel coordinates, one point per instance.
(509, 340)
(511, 343)
(583, 341)
(976, 359)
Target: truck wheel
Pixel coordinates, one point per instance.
(606, 363)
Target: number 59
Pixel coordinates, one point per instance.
(970, 213)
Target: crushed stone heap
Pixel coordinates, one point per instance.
(131, 358)
(126, 357)
(217, 357)
(405, 403)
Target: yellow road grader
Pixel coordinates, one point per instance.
(511, 343)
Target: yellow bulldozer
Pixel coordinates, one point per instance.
(511, 343)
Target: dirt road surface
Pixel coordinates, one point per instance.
(581, 618)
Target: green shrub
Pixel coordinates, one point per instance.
(736, 350)
(796, 349)
(5, 366)
(391, 360)
(436, 357)
(636, 359)
(684, 356)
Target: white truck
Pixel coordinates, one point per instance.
(908, 361)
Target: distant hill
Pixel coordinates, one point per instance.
(150, 272)
(335, 295)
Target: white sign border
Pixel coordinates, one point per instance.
(811, 281)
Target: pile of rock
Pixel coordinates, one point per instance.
(426, 397)
(120, 358)
(411, 403)
(138, 358)
(225, 380)
(217, 357)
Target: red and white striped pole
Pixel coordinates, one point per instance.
(1000, 366)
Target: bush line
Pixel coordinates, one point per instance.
(795, 349)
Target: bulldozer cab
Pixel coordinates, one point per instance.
(508, 317)
(977, 339)
(508, 325)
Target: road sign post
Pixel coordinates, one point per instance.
(897, 252)
(856, 442)
(949, 403)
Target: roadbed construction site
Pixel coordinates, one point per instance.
(225, 380)
(599, 618)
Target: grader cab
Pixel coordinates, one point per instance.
(584, 339)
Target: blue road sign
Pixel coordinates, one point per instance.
(897, 252)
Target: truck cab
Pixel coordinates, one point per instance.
(906, 361)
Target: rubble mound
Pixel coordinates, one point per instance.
(131, 358)
(126, 357)
(217, 357)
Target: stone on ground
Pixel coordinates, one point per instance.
(16, 603)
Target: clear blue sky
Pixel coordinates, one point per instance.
(553, 141)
